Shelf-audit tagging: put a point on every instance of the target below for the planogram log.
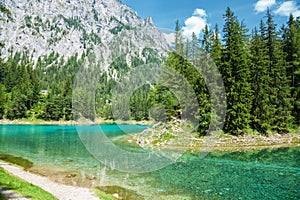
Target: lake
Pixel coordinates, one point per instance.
(57, 152)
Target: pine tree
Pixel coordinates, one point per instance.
(3, 100)
(291, 47)
(206, 41)
(279, 85)
(179, 46)
(216, 50)
(260, 80)
(194, 48)
(236, 75)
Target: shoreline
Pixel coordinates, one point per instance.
(58, 190)
(254, 142)
(71, 123)
(177, 134)
(222, 142)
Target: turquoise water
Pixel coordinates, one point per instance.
(261, 174)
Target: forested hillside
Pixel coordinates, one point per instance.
(260, 71)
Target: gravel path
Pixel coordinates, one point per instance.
(60, 191)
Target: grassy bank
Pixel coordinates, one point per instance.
(23, 188)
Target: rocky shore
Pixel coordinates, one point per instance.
(178, 134)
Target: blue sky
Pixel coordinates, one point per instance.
(194, 14)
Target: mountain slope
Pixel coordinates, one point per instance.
(108, 28)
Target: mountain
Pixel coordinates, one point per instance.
(108, 28)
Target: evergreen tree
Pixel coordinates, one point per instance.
(291, 47)
(216, 50)
(194, 47)
(279, 85)
(260, 80)
(236, 75)
(179, 46)
(206, 42)
(198, 108)
(3, 100)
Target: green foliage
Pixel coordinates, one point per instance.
(291, 48)
(280, 94)
(260, 80)
(6, 12)
(72, 22)
(3, 101)
(139, 103)
(103, 195)
(169, 105)
(28, 21)
(261, 75)
(121, 26)
(236, 76)
(179, 46)
(120, 64)
(151, 55)
(19, 186)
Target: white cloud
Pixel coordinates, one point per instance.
(170, 38)
(262, 5)
(200, 12)
(195, 24)
(287, 8)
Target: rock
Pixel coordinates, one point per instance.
(116, 195)
(71, 175)
(208, 191)
(90, 177)
(110, 30)
(67, 161)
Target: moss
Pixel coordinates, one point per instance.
(124, 194)
(26, 164)
(103, 196)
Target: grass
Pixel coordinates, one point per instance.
(103, 196)
(23, 188)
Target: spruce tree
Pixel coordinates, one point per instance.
(207, 39)
(179, 46)
(260, 80)
(291, 47)
(279, 86)
(236, 76)
(216, 50)
(194, 48)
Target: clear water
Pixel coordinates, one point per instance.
(261, 174)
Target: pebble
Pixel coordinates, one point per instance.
(208, 191)
(116, 195)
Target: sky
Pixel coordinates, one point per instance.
(193, 15)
